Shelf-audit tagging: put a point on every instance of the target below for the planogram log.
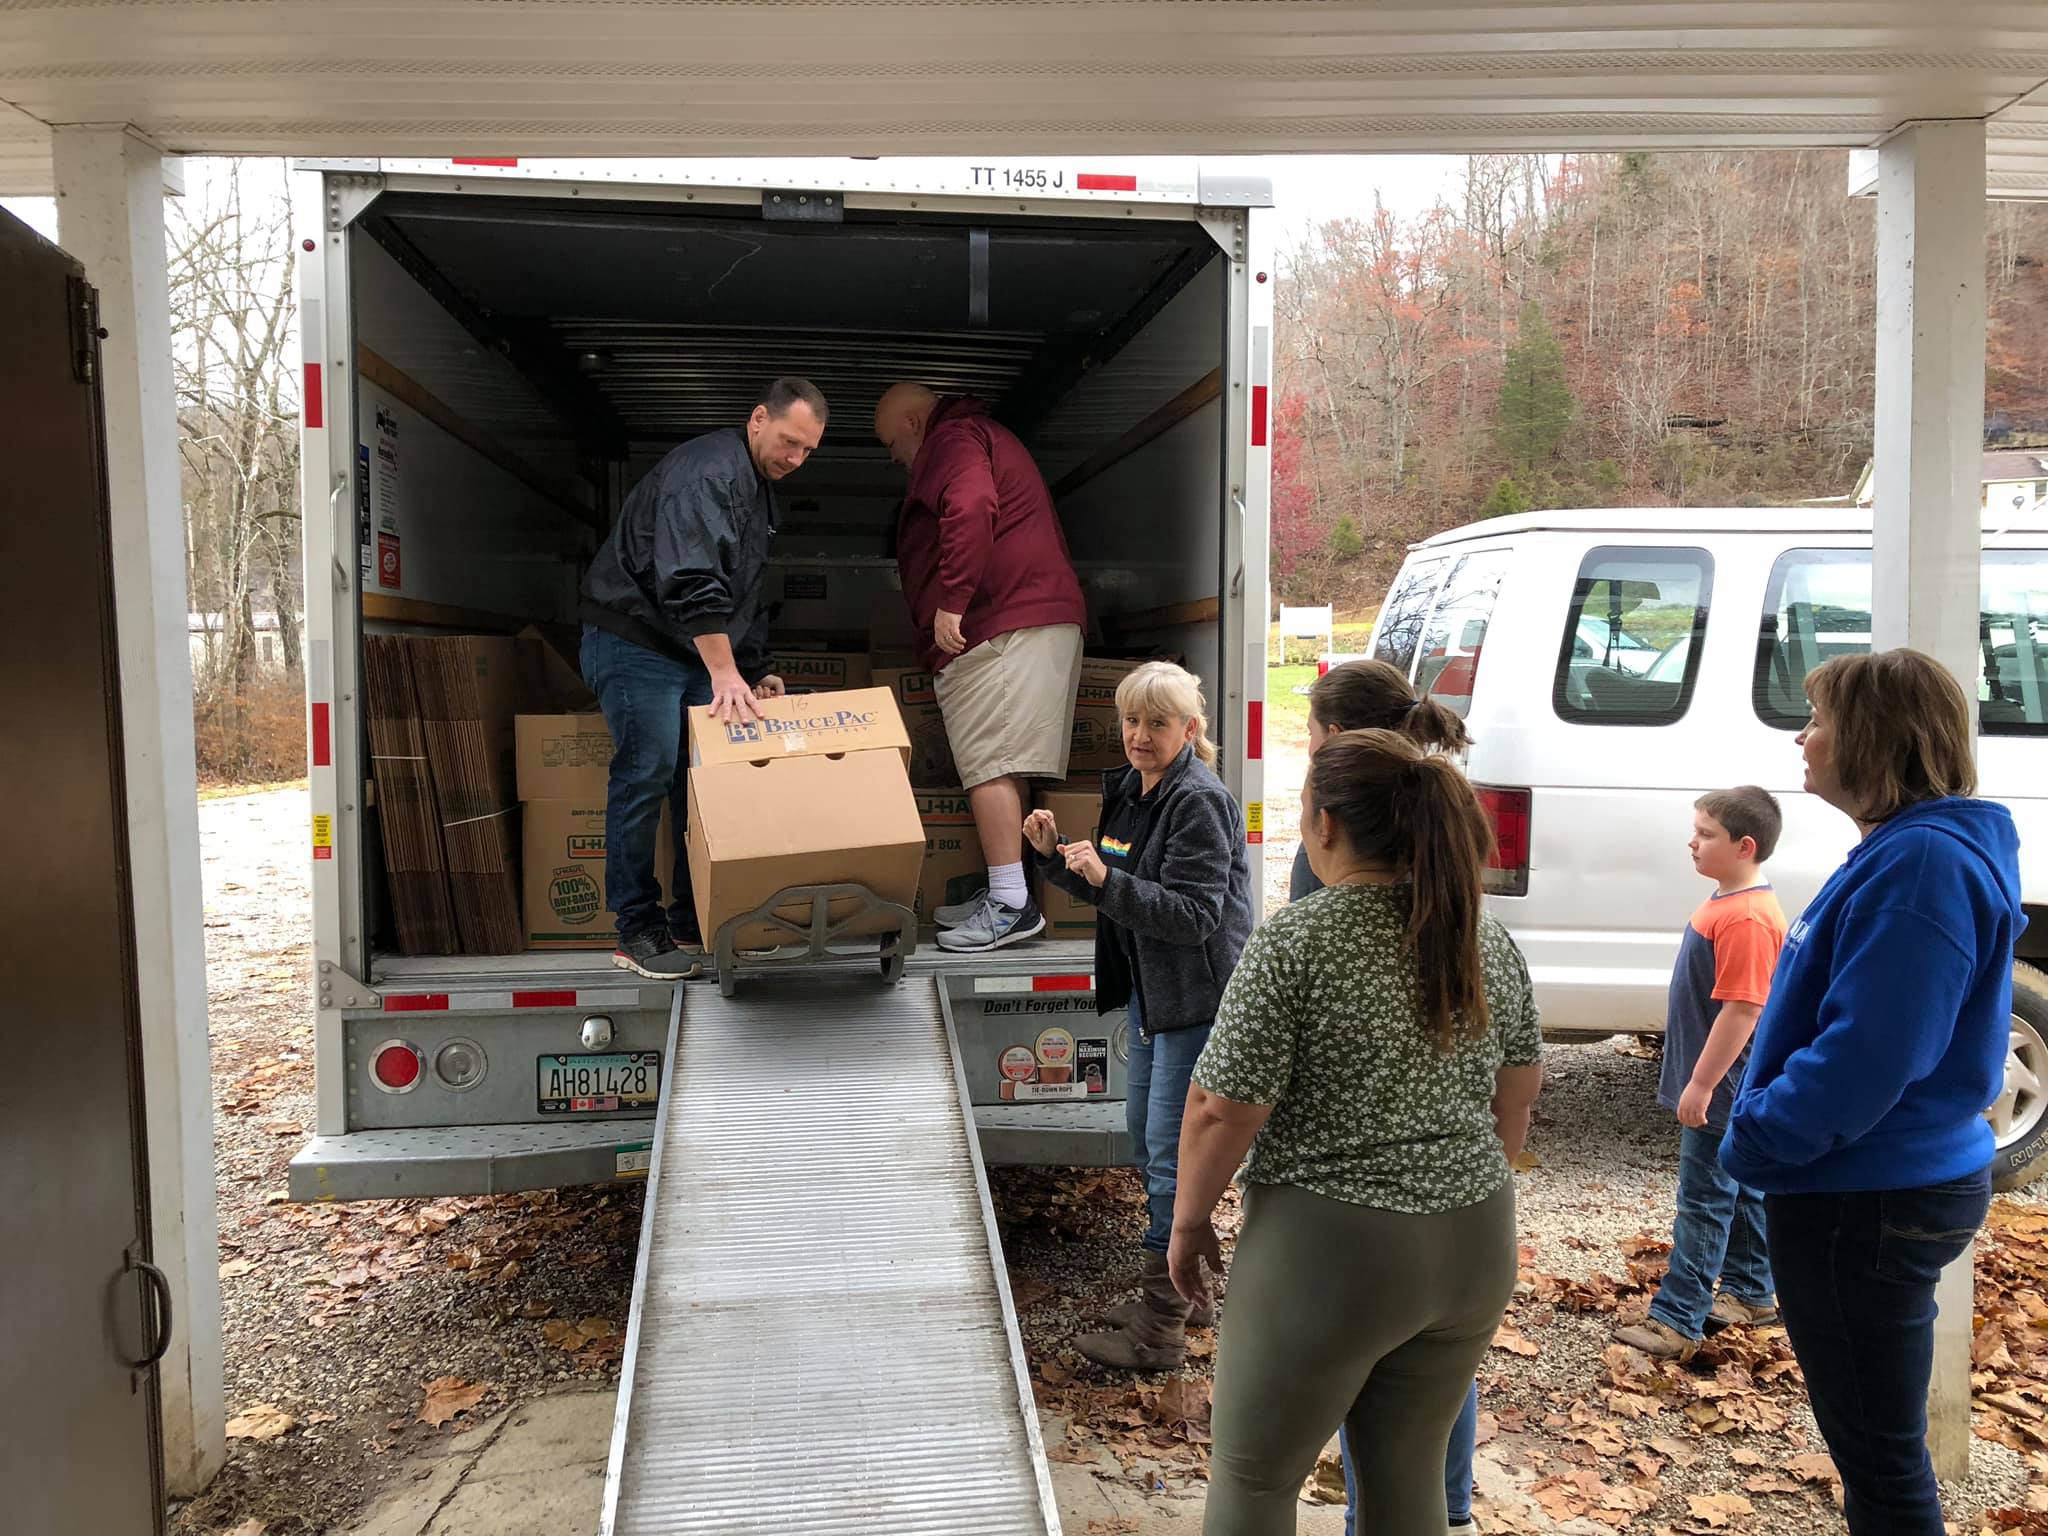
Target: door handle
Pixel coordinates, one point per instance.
(160, 1315)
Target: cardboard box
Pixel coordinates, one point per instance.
(954, 867)
(564, 846)
(1098, 741)
(1077, 811)
(817, 792)
(931, 751)
(562, 757)
(821, 671)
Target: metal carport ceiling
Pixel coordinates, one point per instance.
(770, 77)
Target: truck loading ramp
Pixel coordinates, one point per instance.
(822, 1337)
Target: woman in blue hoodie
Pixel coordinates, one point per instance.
(1862, 1117)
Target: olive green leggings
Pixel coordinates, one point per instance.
(1343, 1313)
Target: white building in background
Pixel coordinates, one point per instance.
(208, 637)
(2015, 480)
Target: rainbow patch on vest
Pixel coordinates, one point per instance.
(1116, 847)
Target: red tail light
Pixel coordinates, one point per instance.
(1507, 872)
(396, 1066)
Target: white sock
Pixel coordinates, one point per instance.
(1006, 884)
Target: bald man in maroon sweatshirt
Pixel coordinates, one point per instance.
(999, 617)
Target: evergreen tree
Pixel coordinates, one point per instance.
(1536, 404)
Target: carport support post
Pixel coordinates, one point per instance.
(1927, 496)
(110, 215)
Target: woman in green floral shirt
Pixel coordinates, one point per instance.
(1379, 1043)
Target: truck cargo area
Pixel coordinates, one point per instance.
(523, 361)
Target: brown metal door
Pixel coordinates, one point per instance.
(81, 1311)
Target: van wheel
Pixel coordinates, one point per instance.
(2020, 1116)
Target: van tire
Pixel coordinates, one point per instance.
(2026, 1158)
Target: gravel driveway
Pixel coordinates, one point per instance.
(343, 1323)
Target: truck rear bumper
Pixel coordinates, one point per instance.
(499, 1159)
(469, 1159)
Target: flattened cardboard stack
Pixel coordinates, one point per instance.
(470, 688)
(407, 814)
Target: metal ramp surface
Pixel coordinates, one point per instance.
(822, 1337)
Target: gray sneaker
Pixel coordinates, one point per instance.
(960, 911)
(992, 926)
(658, 957)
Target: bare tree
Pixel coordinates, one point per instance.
(232, 317)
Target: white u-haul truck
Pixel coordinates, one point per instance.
(496, 350)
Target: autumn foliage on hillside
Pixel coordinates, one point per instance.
(1641, 329)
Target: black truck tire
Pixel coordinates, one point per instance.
(2020, 1117)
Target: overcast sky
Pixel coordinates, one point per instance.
(1308, 189)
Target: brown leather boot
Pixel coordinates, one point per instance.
(1201, 1314)
(1155, 1339)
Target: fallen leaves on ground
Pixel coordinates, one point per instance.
(448, 1396)
(263, 1421)
(1515, 1344)
(1717, 1509)
(2009, 1350)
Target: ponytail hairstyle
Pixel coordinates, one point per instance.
(1160, 687)
(1374, 696)
(1401, 805)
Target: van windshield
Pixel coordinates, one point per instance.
(1817, 607)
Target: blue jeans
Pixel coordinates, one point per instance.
(643, 694)
(1457, 1466)
(1856, 1277)
(1718, 1235)
(1155, 1101)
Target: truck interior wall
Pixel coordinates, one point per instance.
(399, 320)
(448, 525)
(464, 532)
(1147, 532)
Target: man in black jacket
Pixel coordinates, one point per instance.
(673, 618)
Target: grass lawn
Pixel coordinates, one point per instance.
(1286, 710)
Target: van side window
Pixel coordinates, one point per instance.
(1818, 607)
(1633, 636)
(2012, 636)
(1452, 640)
(1407, 604)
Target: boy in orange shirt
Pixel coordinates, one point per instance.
(1718, 989)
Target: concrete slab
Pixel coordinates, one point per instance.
(558, 1501)
(538, 1470)
(563, 1429)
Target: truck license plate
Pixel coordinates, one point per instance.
(571, 1085)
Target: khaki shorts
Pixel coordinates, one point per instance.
(1009, 704)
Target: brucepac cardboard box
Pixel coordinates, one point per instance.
(815, 792)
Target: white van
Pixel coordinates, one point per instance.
(1612, 665)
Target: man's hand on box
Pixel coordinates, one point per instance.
(1041, 833)
(732, 699)
(1084, 861)
(946, 632)
(770, 687)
